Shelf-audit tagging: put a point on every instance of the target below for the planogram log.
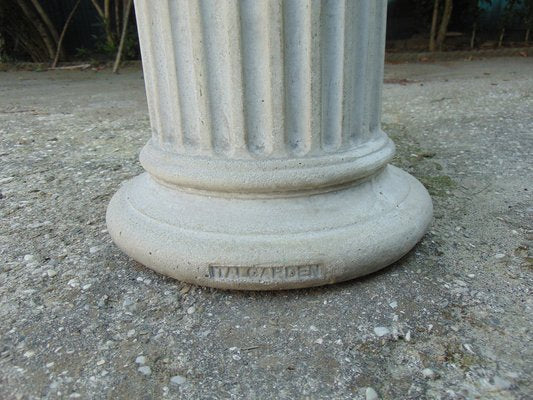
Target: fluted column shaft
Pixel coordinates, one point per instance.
(262, 83)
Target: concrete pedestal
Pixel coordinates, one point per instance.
(267, 167)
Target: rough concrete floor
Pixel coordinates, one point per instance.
(454, 315)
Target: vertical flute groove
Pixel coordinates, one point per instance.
(217, 18)
(256, 72)
(197, 41)
(174, 133)
(277, 76)
(364, 70)
(316, 78)
(356, 70)
(193, 120)
(165, 113)
(150, 74)
(379, 47)
(237, 133)
(332, 68)
(298, 51)
(371, 70)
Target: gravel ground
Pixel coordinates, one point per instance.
(451, 320)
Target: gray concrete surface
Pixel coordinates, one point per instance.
(450, 320)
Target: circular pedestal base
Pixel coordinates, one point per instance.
(269, 243)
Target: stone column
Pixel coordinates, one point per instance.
(267, 166)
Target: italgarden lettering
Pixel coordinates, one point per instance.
(266, 273)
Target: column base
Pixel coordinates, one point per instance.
(270, 243)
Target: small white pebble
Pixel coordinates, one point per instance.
(178, 380)
(371, 394)
(501, 383)
(51, 273)
(101, 362)
(131, 333)
(468, 348)
(127, 302)
(145, 370)
(471, 275)
(499, 256)
(73, 283)
(236, 357)
(87, 286)
(319, 341)
(393, 304)
(191, 310)
(29, 353)
(381, 331)
(408, 336)
(29, 257)
(140, 360)
(428, 373)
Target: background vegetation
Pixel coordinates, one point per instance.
(30, 30)
(93, 30)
